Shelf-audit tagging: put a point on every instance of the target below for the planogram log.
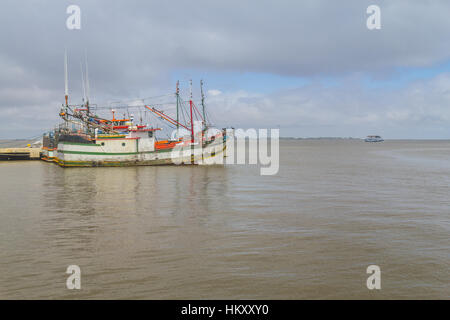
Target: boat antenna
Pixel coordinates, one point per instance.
(66, 80)
(203, 104)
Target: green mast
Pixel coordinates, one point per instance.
(203, 104)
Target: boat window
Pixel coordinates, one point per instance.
(150, 134)
(123, 144)
(103, 143)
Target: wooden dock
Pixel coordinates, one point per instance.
(20, 153)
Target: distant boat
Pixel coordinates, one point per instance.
(374, 139)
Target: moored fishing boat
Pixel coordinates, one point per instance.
(85, 139)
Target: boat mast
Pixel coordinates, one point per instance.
(192, 120)
(83, 87)
(87, 83)
(203, 104)
(66, 81)
(65, 109)
(178, 97)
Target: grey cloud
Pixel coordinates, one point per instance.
(346, 109)
(283, 37)
(133, 46)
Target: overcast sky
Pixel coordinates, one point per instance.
(310, 67)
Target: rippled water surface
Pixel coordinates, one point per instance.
(334, 208)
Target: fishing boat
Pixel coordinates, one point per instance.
(85, 139)
(374, 139)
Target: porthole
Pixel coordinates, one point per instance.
(103, 143)
(123, 144)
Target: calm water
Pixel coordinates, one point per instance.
(334, 208)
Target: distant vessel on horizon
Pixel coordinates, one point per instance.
(374, 139)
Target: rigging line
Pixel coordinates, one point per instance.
(160, 96)
(164, 124)
(198, 112)
(131, 100)
(181, 108)
(184, 112)
(200, 116)
(193, 100)
(208, 116)
(135, 106)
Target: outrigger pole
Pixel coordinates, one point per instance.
(165, 117)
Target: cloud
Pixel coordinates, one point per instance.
(346, 109)
(138, 39)
(214, 92)
(134, 47)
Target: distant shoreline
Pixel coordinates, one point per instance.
(321, 138)
(19, 142)
(351, 138)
